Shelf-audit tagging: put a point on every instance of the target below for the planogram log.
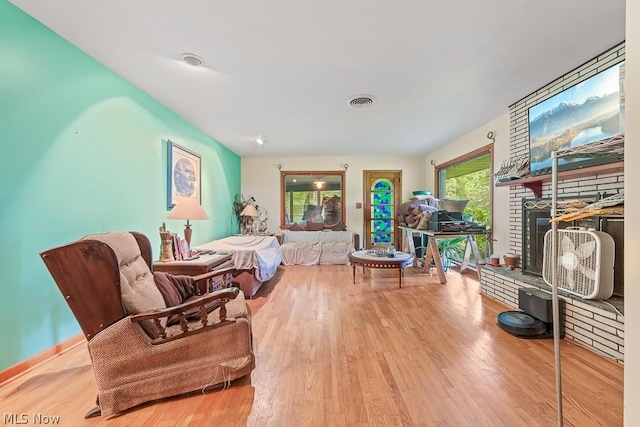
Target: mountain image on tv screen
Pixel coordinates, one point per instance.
(586, 112)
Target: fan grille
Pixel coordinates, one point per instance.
(362, 101)
(580, 268)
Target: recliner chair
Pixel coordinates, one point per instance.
(136, 355)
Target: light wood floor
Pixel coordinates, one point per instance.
(330, 353)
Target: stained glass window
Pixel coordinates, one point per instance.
(380, 239)
(382, 185)
(382, 198)
(382, 212)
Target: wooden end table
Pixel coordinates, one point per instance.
(194, 267)
(364, 259)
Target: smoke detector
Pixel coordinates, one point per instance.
(191, 59)
(362, 101)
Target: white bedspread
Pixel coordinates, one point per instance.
(260, 252)
(316, 247)
(317, 236)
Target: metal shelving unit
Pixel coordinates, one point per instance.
(606, 147)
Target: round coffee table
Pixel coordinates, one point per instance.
(364, 259)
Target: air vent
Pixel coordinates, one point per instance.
(362, 101)
(192, 59)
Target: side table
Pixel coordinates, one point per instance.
(364, 259)
(194, 267)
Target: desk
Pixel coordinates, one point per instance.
(432, 252)
(364, 259)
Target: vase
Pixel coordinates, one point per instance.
(511, 261)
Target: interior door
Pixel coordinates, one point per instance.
(382, 196)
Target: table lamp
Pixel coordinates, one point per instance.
(249, 211)
(189, 209)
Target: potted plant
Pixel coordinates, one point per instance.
(450, 249)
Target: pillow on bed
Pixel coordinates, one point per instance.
(315, 226)
(296, 227)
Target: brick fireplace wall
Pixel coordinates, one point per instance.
(594, 325)
(519, 144)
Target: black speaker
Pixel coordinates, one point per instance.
(536, 318)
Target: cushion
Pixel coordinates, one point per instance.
(315, 226)
(338, 226)
(138, 289)
(296, 227)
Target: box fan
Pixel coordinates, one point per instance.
(585, 262)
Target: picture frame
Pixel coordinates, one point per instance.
(184, 174)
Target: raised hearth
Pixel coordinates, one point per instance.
(598, 325)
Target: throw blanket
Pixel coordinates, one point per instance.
(179, 289)
(174, 289)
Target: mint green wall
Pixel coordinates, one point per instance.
(81, 152)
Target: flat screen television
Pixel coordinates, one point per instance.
(590, 111)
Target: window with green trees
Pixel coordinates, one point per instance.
(312, 196)
(469, 178)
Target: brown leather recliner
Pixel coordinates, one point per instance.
(107, 281)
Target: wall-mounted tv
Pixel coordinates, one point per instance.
(592, 110)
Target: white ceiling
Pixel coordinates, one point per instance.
(285, 70)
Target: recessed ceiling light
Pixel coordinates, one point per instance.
(362, 101)
(260, 141)
(192, 59)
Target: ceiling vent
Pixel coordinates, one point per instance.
(362, 101)
(192, 59)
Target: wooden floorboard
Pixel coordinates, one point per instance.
(331, 353)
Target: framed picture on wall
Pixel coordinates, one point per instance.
(183, 174)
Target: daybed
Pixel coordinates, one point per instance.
(318, 247)
(255, 259)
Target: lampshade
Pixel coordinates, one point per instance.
(249, 210)
(187, 208)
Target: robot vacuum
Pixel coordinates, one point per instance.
(521, 324)
(535, 318)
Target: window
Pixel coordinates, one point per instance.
(315, 195)
(469, 178)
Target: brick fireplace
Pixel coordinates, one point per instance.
(594, 324)
(536, 214)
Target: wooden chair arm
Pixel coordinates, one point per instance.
(200, 304)
(214, 273)
(227, 293)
